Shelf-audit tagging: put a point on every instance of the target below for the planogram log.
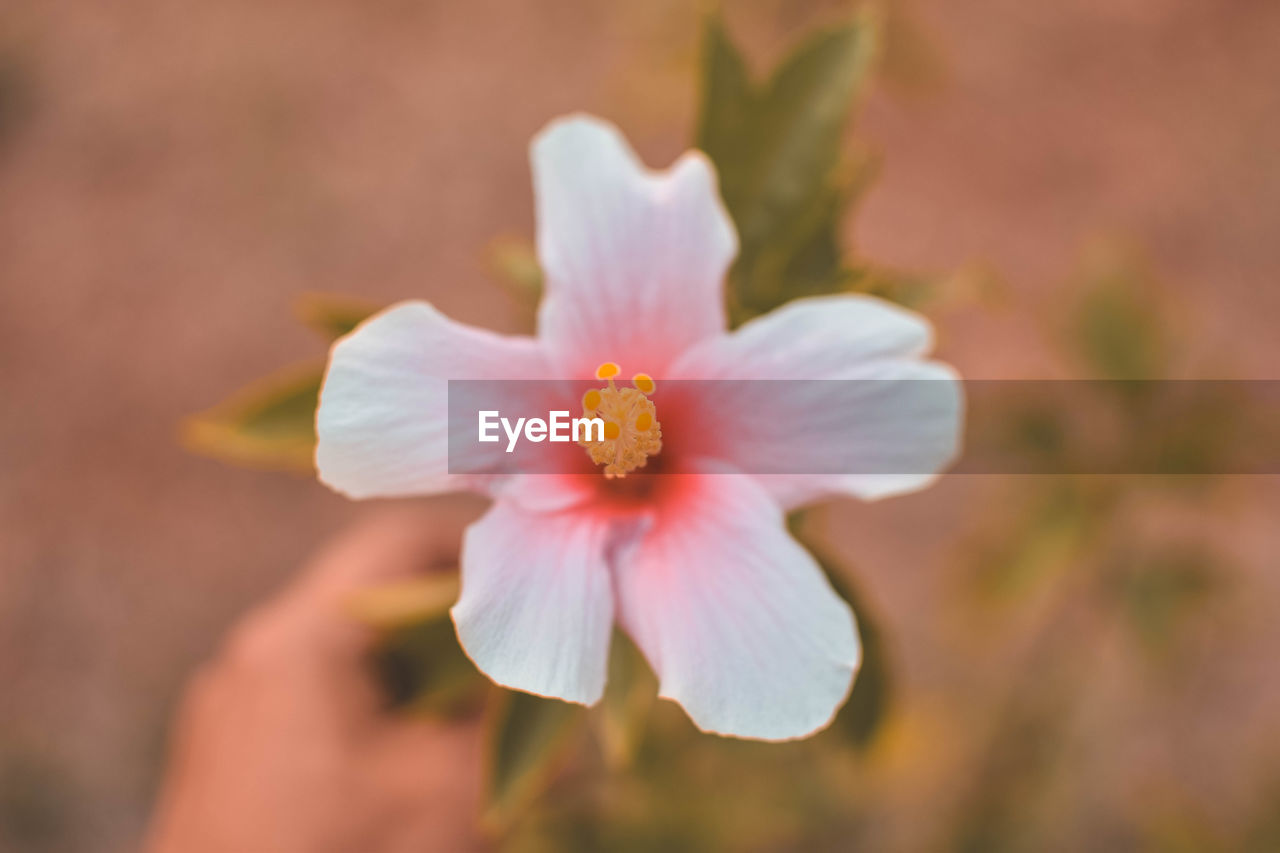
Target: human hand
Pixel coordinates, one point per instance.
(283, 743)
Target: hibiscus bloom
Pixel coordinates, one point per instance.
(673, 537)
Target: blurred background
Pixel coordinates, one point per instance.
(1080, 663)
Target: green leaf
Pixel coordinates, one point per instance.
(870, 700)
(422, 669)
(777, 149)
(905, 288)
(629, 695)
(269, 424)
(1055, 527)
(333, 316)
(417, 658)
(515, 262)
(1118, 326)
(405, 603)
(528, 737)
(1161, 594)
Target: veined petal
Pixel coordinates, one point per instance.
(821, 337)
(735, 617)
(382, 424)
(536, 608)
(888, 426)
(634, 259)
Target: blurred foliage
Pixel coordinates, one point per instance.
(417, 657)
(777, 149)
(1123, 330)
(527, 736)
(332, 316)
(423, 669)
(270, 424)
(787, 172)
(862, 715)
(1055, 522)
(1117, 328)
(406, 602)
(1072, 554)
(514, 262)
(1120, 326)
(686, 791)
(1161, 591)
(629, 695)
(1004, 805)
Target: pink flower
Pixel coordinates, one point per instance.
(689, 554)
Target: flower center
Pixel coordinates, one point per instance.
(631, 430)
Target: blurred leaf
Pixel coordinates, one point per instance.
(1119, 326)
(777, 150)
(515, 261)
(971, 284)
(528, 736)
(802, 258)
(1056, 525)
(422, 668)
(862, 716)
(406, 602)
(332, 316)
(1037, 429)
(1001, 806)
(1196, 429)
(269, 424)
(1161, 593)
(628, 698)
(905, 288)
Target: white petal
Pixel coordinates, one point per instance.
(634, 260)
(536, 608)
(735, 617)
(382, 424)
(822, 337)
(889, 427)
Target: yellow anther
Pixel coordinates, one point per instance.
(631, 430)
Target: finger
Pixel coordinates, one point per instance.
(311, 620)
(387, 544)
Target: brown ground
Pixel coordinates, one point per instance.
(173, 175)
